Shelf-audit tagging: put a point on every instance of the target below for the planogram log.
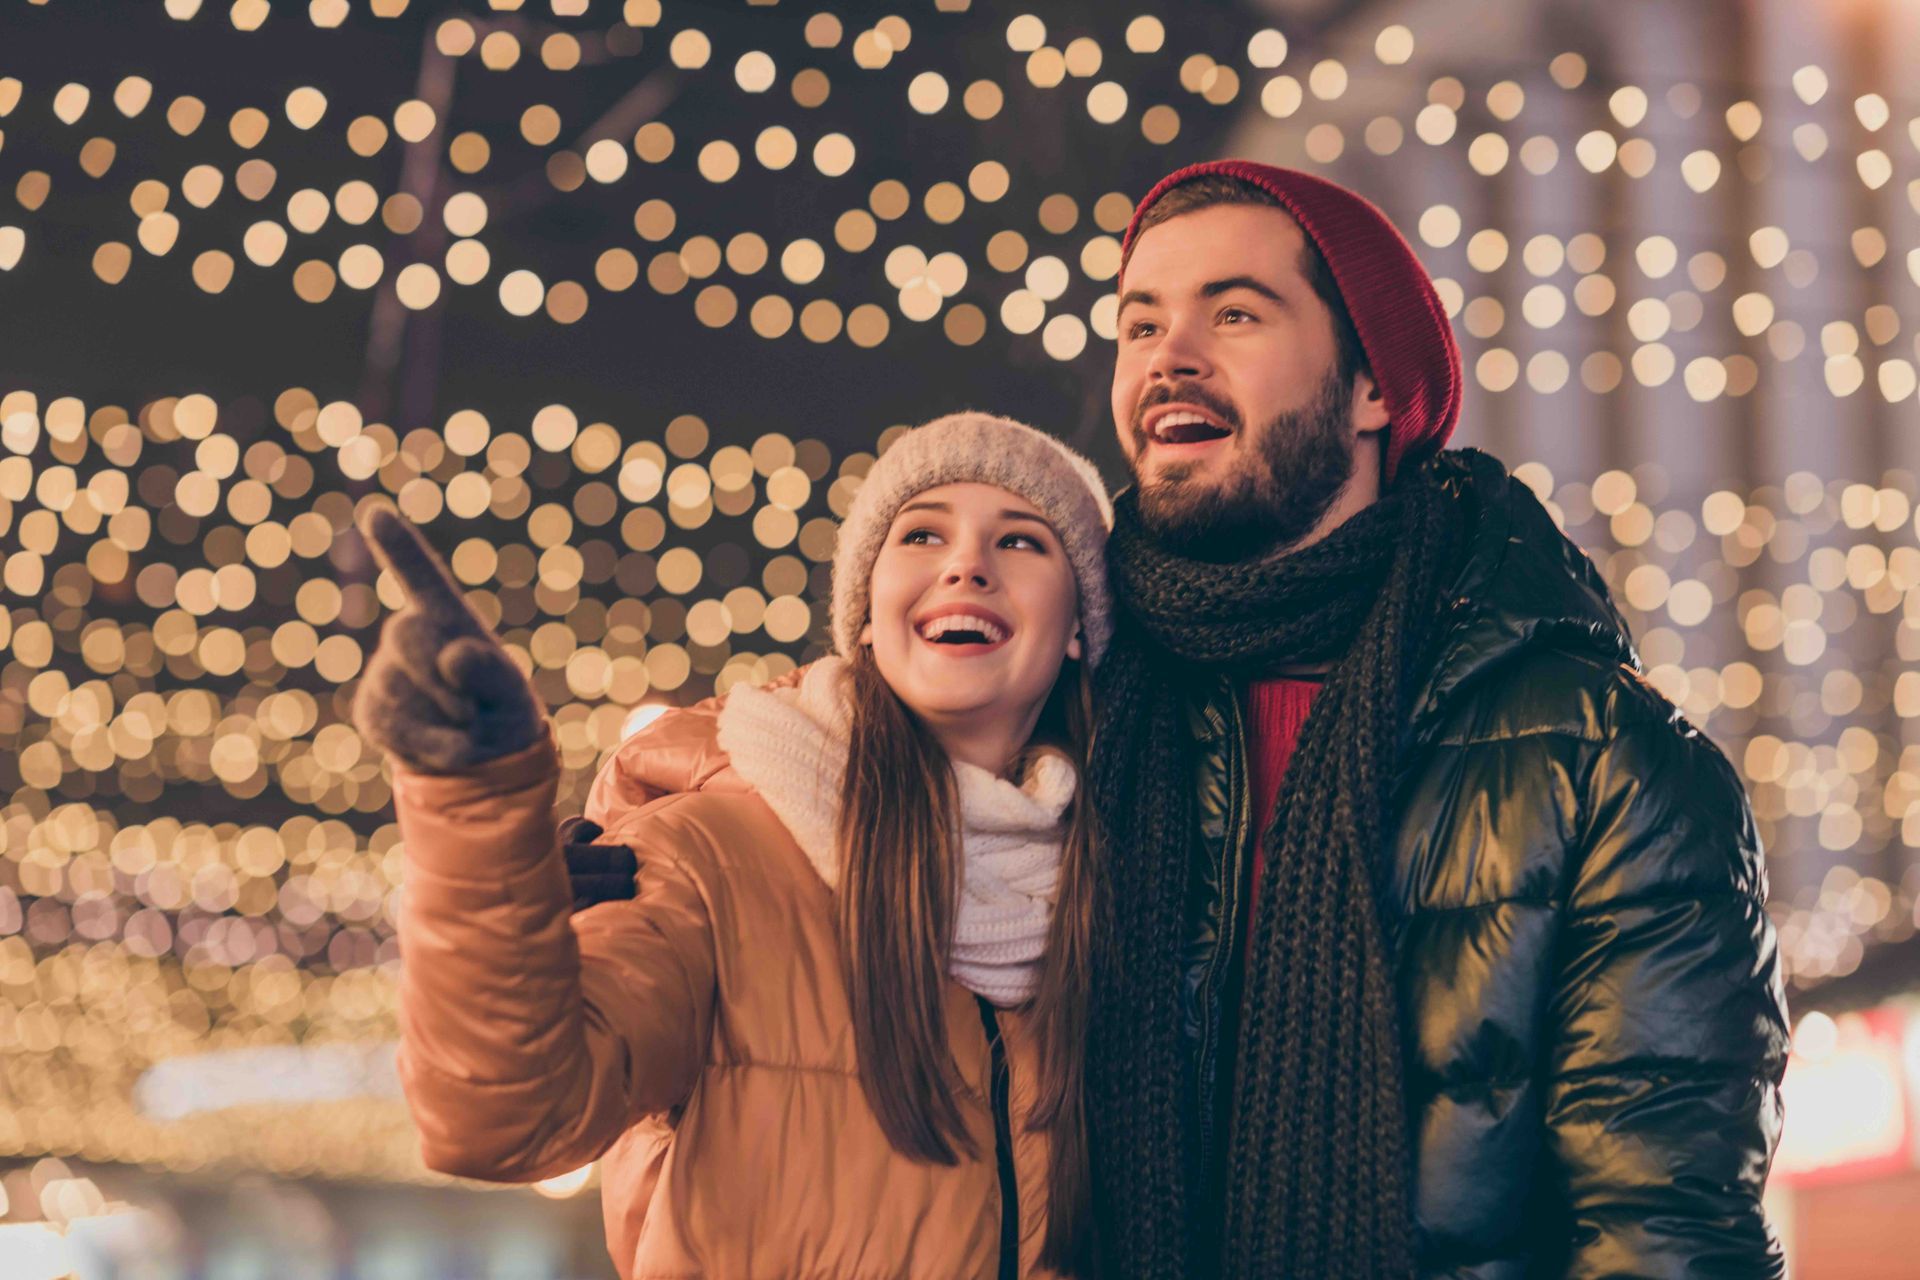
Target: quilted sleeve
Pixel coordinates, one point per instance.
(1668, 1023)
(531, 1038)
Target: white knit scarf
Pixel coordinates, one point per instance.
(790, 745)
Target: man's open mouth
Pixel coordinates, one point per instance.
(1186, 426)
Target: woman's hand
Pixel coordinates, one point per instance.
(440, 693)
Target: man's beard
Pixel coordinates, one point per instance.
(1298, 465)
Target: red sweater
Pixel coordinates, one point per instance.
(1276, 711)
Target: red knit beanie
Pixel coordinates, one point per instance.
(1400, 320)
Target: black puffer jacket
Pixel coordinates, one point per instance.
(1594, 1024)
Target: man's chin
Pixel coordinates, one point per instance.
(1226, 523)
(1200, 474)
(1185, 483)
(1184, 510)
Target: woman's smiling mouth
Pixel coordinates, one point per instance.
(963, 630)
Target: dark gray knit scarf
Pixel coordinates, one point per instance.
(1317, 1178)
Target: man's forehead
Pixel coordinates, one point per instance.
(1226, 239)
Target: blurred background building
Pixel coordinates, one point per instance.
(617, 300)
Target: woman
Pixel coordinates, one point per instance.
(837, 1031)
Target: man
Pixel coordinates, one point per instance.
(1437, 943)
(1438, 938)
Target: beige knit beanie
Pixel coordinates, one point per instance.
(978, 448)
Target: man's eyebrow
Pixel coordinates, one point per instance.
(1211, 289)
(1214, 288)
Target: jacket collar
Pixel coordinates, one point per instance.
(1525, 586)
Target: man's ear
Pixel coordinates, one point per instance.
(1369, 407)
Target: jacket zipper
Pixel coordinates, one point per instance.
(1000, 1092)
(1224, 950)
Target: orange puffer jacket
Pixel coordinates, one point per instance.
(697, 1040)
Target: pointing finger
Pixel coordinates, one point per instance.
(402, 551)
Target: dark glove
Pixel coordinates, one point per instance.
(597, 872)
(440, 693)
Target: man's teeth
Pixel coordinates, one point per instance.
(962, 622)
(1185, 418)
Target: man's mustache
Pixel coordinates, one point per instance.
(1184, 393)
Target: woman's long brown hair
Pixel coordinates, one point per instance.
(900, 870)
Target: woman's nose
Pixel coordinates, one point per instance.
(969, 569)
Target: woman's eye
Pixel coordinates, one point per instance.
(1023, 539)
(920, 537)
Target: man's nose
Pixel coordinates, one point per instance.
(1179, 355)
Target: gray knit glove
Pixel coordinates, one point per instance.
(440, 694)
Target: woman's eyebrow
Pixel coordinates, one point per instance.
(1008, 513)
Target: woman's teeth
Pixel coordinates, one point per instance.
(964, 630)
